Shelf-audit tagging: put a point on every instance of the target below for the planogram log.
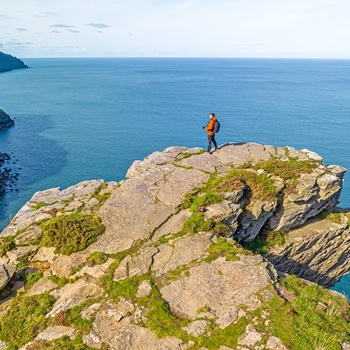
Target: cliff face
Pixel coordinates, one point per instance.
(170, 270)
(8, 63)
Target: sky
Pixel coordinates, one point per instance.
(175, 28)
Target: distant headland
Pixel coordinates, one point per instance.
(8, 63)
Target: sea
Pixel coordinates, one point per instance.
(90, 118)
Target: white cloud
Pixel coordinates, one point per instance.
(289, 28)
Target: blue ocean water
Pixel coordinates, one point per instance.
(79, 119)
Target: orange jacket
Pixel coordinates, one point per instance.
(210, 127)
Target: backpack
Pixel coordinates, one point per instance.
(216, 126)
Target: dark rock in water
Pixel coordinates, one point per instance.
(7, 175)
(8, 63)
(5, 120)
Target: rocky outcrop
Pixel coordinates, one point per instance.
(8, 63)
(170, 270)
(5, 120)
(317, 251)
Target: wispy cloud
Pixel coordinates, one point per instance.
(55, 31)
(61, 26)
(73, 31)
(21, 29)
(98, 25)
(51, 14)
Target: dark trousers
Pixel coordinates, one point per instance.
(211, 139)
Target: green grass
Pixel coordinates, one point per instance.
(261, 186)
(196, 223)
(263, 243)
(71, 233)
(63, 343)
(194, 202)
(333, 216)
(101, 197)
(39, 205)
(223, 247)
(309, 324)
(31, 278)
(25, 319)
(96, 258)
(7, 243)
(222, 337)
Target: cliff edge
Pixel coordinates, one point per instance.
(192, 251)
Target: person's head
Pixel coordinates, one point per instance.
(212, 115)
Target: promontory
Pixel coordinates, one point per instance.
(8, 63)
(193, 251)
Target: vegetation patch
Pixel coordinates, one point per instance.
(196, 223)
(63, 343)
(195, 202)
(71, 233)
(223, 247)
(101, 195)
(96, 258)
(333, 216)
(7, 243)
(39, 205)
(289, 169)
(314, 319)
(261, 186)
(160, 319)
(25, 319)
(263, 243)
(31, 278)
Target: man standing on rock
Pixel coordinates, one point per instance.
(210, 132)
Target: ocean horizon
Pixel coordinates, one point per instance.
(89, 118)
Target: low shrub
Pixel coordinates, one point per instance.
(71, 233)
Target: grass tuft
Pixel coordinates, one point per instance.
(72, 232)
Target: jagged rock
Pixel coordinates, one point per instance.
(180, 252)
(317, 251)
(144, 289)
(274, 343)
(96, 271)
(314, 194)
(206, 286)
(29, 236)
(250, 337)
(45, 254)
(135, 265)
(64, 266)
(172, 225)
(6, 273)
(196, 328)
(74, 294)
(42, 286)
(157, 194)
(55, 332)
(21, 253)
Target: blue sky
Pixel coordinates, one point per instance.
(175, 28)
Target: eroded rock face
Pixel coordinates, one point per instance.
(318, 251)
